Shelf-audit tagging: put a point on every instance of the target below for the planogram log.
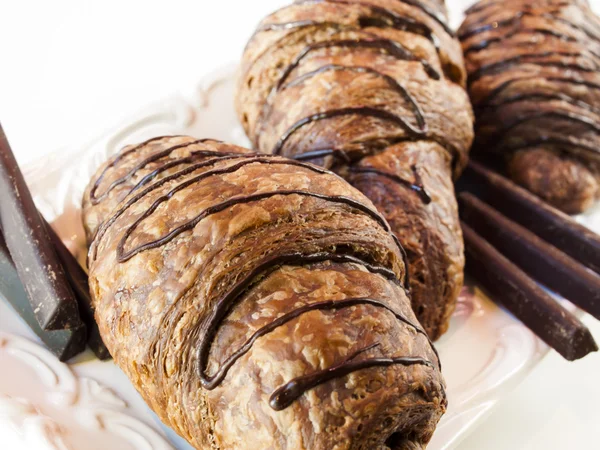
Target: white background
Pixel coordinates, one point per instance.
(70, 69)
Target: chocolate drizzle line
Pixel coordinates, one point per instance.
(123, 255)
(504, 25)
(416, 186)
(483, 45)
(495, 25)
(181, 161)
(561, 143)
(507, 84)
(224, 304)
(483, 5)
(380, 18)
(564, 115)
(264, 159)
(516, 20)
(152, 158)
(365, 111)
(294, 389)
(321, 153)
(501, 66)
(360, 69)
(365, 148)
(535, 96)
(104, 227)
(106, 224)
(212, 381)
(438, 17)
(391, 47)
(118, 159)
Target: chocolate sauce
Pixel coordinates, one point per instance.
(539, 97)
(179, 162)
(379, 18)
(285, 395)
(563, 144)
(551, 15)
(491, 26)
(480, 6)
(562, 115)
(359, 150)
(365, 111)
(501, 66)
(264, 159)
(479, 26)
(393, 19)
(118, 159)
(507, 84)
(152, 158)
(212, 381)
(104, 227)
(320, 153)
(225, 304)
(438, 17)
(357, 153)
(361, 69)
(416, 186)
(123, 255)
(485, 44)
(391, 47)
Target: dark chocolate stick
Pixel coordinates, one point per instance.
(523, 297)
(540, 260)
(63, 343)
(534, 214)
(78, 280)
(32, 252)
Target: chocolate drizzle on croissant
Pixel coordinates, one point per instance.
(534, 79)
(372, 89)
(243, 292)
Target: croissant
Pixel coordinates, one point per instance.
(256, 301)
(534, 79)
(373, 90)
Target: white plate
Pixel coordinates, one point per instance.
(90, 404)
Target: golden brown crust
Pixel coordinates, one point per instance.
(375, 82)
(153, 303)
(534, 79)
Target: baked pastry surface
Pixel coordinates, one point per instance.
(372, 89)
(534, 79)
(257, 302)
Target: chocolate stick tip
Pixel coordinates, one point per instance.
(585, 344)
